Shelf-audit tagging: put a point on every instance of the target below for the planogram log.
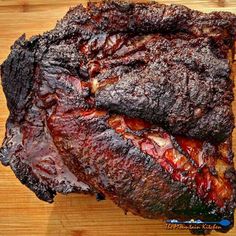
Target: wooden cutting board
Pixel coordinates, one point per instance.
(21, 213)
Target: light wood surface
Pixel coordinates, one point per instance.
(21, 213)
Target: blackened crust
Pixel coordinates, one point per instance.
(25, 174)
(17, 74)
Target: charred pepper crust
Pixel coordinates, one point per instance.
(150, 18)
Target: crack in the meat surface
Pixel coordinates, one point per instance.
(157, 143)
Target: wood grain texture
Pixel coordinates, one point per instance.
(21, 213)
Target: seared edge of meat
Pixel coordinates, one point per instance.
(28, 147)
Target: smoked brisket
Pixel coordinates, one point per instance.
(129, 101)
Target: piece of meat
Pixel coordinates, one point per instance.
(130, 102)
(180, 84)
